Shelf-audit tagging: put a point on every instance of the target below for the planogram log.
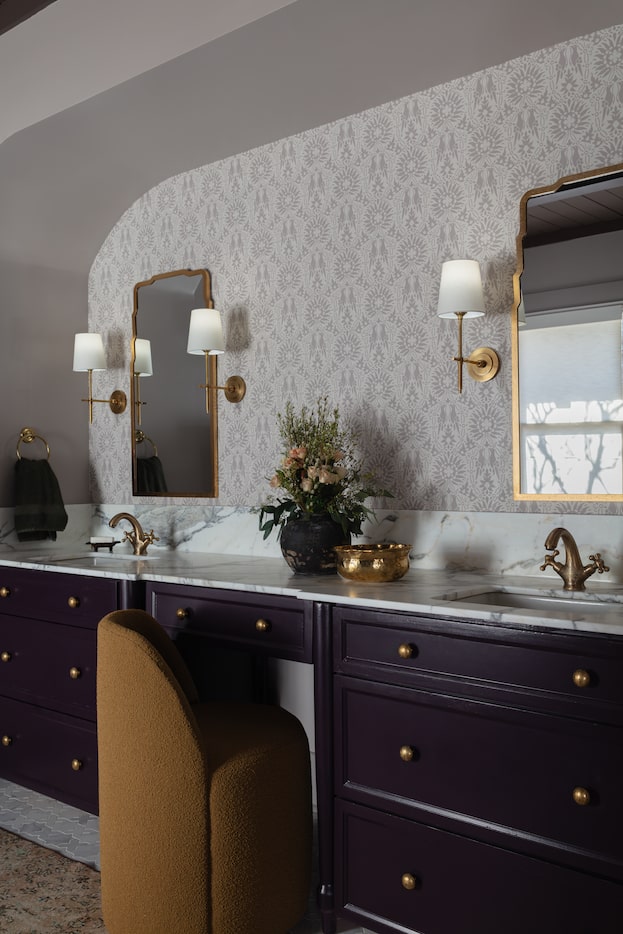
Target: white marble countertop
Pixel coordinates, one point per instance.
(442, 593)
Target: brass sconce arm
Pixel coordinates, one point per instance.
(235, 387)
(117, 399)
(482, 364)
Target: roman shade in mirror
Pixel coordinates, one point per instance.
(567, 340)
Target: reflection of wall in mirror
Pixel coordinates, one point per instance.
(174, 414)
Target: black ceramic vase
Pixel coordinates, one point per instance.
(307, 543)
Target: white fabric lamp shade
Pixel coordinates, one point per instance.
(205, 333)
(460, 289)
(142, 357)
(89, 353)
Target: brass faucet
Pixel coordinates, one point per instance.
(572, 571)
(137, 538)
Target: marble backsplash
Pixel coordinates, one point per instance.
(502, 543)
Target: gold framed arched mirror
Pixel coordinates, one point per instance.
(174, 438)
(567, 340)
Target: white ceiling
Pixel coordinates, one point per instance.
(75, 49)
(103, 100)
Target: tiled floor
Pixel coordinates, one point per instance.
(75, 833)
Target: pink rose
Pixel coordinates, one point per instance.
(275, 481)
(327, 476)
(307, 485)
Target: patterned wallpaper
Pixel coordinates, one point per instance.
(325, 250)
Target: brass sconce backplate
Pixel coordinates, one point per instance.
(483, 364)
(234, 389)
(118, 401)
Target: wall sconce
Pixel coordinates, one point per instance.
(205, 336)
(461, 296)
(142, 367)
(88, 356)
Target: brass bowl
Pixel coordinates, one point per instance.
(372, 563)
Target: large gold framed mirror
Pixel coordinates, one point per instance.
(567, 340)
(174, 438)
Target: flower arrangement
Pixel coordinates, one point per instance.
(319, 473)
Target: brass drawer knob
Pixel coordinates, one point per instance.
(581, 796)
(76, 764)
(409, 882)
(5, 657)
(262, 625)
(405, 650)
(581, 678)
(182, 613)
(6, 740)
(407, 753)
(74, 673)
(73, 602)
(5, 592)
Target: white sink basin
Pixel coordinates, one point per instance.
(100, 558)
(568, 602)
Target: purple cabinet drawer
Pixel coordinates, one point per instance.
(479, 762)
(72, 599)
(276, 626)
(459, 886)
(544, 667)
(48, 664)
(47, 751)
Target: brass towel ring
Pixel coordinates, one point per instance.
(27, 435)
(140, 436)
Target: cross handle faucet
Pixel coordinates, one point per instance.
(137, 537)
(573, 572)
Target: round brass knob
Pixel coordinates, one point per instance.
(181, 613)
(409, 882)
(76, 764)
(406, 753)
(581, 678)
(73, 602)
(405, 650)
(5, 592)
(5, 657)
(74, 673)
(6, 740)
(262, 625)
(581, 796)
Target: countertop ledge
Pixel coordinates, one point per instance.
(425, 592)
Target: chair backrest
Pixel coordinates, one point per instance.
(153, 791)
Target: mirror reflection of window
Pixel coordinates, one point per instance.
(571, 401)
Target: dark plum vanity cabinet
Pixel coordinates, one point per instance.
(469, 773)
(478, 776)
(48, 624)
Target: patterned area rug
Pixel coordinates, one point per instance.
(42, 891)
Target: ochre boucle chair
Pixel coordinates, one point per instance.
(205, 808)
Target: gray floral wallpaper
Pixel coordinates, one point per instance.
(326, 249)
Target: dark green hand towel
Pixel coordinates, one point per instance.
(39, 509)
(150, 475)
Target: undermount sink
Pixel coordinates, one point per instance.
(579, 603)
(96, 559)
